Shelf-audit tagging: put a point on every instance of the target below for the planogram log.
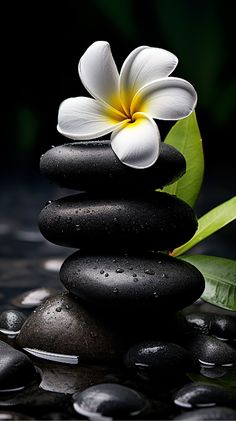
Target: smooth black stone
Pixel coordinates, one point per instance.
(159, 361)
(221, 326)
(16, 369)
(210, 350)
(215, 413)
(11, 321)
(93, 166)
(198, 394)
(63, 325)
(150, 282)
(110, 400)
(150, 221)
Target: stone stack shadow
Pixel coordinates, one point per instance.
(120, 287)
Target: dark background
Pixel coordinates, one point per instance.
(42, 43)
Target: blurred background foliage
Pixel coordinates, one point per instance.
(42, 44)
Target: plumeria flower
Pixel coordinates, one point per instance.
(126, 104)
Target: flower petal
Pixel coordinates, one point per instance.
(84, 118)
(142, 66)
(99, 74)
(137, 143)
(166, 99)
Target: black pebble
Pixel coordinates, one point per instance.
(16, 369)
(93, 166)
(161, 283)
(11, 321)
(195, 395)
(210, 350)
(221, 326)
(110, 400)
(63, 325)
(150, 221)
(159, 361)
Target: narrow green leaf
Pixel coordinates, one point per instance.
(185, 137)
(220, 278)
(209, 223)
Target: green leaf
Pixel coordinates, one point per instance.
(185, 137)
(220, 278)
(209, 223)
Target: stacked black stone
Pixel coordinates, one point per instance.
(118, 283)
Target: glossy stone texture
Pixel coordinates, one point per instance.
(218, 325)
(210, 351)
(63, 325)
(198, 394)
(150, 221)
(93, 166)
(158, 360)
(11, 321)
(214, 413)
(110, 400)
(149, 282)
(16, 369)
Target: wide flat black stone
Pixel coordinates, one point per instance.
(92, 166)
(146, 282)
(149, 221)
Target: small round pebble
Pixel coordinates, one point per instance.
(159, 360)
(16, 369)
(64, 330)
(220, 326)
(215, 413)
(148, 282)
(151, 221)
(209, 350)
(11, 321)
(93, 166)
(196, 395)
(110, 400)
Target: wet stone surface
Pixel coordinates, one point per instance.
(64, 327)
(146, 221)
(159, 361)
(197, 395)
(209, 350)
(161, 283)
(11, 321)
(68, 165)
(110, 400)
(222, 327)
(16, 369)
(215, 413)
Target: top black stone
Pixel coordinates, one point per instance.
(93, 166)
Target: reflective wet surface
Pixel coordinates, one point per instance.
(29, 267)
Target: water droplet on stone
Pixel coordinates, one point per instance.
(48, 202)
(102, 272)
(115, 290)
(58, 309)
(76, 211)
(106, 274)
(164, 275)
(134, 275)
(114, 260)
(155, 294)
(77, 227)
(131, 268)
(52, 146)
(119, 270)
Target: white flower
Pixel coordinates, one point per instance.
(126, 104)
